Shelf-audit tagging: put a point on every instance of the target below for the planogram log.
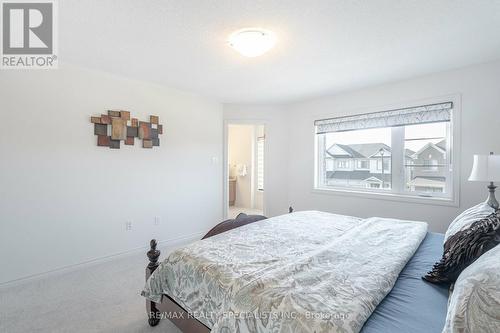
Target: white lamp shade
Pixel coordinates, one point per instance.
(486, 168)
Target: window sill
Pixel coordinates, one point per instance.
(437, 201)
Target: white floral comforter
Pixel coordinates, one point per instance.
(301, 272)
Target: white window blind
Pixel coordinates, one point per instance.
(260, 163)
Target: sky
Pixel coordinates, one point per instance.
(383, 135)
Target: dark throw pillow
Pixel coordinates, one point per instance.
(464, 247)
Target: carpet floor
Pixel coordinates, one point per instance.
(103, 297)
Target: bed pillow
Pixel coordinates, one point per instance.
(468, 217)
(475, 301)
(464, 247)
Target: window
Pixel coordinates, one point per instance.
(386, 162)
(342, 164)
(260, 163)
(371, 145)
(362, 164)
(427, 147)
(405, 151)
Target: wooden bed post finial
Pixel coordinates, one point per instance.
(153, 255)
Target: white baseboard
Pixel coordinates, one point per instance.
(82, 265)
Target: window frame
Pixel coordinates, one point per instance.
(397, 147)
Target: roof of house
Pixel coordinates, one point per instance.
(369, 149)
(350, 152)
(409, 152)
(436, 146)
(363, 150)
(442, 144)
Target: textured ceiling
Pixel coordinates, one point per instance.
(323, 46)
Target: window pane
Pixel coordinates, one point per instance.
(427, 167)
(354, 159)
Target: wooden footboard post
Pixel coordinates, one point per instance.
(153, 255)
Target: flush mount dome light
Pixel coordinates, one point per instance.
(252, 42)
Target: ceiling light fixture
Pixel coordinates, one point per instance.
(252, 42)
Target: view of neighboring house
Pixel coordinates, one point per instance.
(429, 170)
(369, 166)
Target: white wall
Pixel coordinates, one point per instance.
(276, 159)
(63, 200)
(240, 152)
(290, 167)
(479, 87)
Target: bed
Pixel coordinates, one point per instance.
(306, 271)
(413, 305)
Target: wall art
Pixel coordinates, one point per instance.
(117, 126)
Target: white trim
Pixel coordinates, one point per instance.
(225, 175)
(259, 141)
(372, 179)
(253, 171)
(225, 172)
(166, 243)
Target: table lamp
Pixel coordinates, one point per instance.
(486, 168)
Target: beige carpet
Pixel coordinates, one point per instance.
(101, 298)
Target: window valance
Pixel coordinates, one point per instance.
(399, 117)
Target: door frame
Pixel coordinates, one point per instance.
(225, 176)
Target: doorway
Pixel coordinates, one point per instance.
(245, 148)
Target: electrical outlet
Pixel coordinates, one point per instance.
(157, 220)
(128, 225)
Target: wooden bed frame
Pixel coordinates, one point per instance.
(168, 308)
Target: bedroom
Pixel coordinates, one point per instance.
(161, 80)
